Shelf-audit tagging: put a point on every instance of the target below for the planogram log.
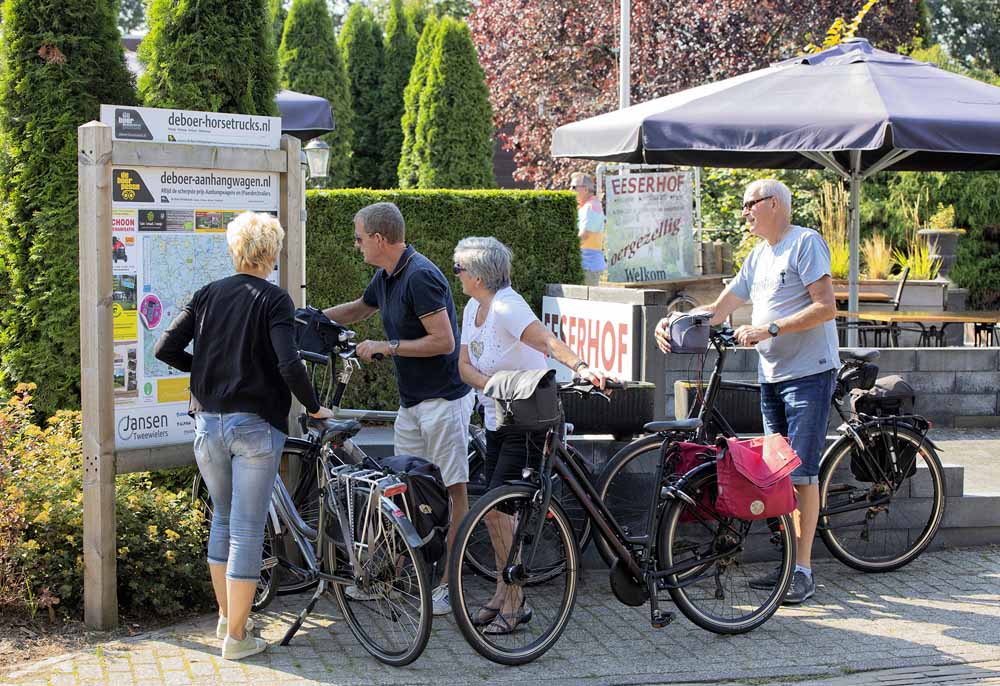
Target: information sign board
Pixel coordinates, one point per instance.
(184, 126)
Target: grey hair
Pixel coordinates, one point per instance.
(775, 189)
(384, 218)
(485, 258)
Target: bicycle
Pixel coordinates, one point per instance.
(704, 560)
(874, 543)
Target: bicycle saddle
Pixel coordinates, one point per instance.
(675, 425)
(859, 354)
(333, 429)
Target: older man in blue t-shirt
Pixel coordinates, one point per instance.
(418, 314)
(787, 279)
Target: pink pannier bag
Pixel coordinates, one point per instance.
(755, 478)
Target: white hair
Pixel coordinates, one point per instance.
(772, 188)
(485, 258)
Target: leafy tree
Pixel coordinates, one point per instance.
(454, 141)
(361, 47)
(131, 15)
(278, 16)
(58, 62)
(310, 62)
(969, 30)
(211, 55)
(408, 166)
(549, 62)
(400, 51)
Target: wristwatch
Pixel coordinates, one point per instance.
(773, 329)
(578, 365)
(393, 346)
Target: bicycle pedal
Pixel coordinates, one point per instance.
(269, 562)
(661, 618)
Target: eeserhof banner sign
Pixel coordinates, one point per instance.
(649, 226)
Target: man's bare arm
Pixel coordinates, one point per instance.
(822, 309)
(350, 312)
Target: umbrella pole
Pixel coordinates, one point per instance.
(854, 239)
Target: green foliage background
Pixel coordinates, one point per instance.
(408, 162)
(278, 16)
(454, 134)
(310, 62)
(400, 51)
(43, 99)
(361, 47)
(210, 55)
(538, 226)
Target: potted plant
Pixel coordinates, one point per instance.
(941, 238)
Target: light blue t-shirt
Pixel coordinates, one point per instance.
(774, 279)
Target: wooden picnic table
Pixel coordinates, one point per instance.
(985, 322)
(863, 296)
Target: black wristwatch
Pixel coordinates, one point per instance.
(773, 329)
(578, 365)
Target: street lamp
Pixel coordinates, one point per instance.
(318, 157)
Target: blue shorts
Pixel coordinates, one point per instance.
(798, 409)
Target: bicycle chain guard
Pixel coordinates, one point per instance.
(627, 588)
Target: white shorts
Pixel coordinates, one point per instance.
(437, 430)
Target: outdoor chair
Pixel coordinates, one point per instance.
(890, 330)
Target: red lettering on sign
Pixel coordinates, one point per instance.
(622, 345)
(593, 341)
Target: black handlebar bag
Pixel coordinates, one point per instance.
(315, 332)
(526, 400)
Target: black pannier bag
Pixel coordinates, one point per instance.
(426, 499)
(316, 333)
(885, 446)
(890, 396)
(526, 400)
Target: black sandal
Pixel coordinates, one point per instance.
(506, 624)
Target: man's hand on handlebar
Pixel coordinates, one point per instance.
(322, 413)
(372, 350)
(662, 334)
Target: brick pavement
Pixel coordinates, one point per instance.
(942, 610)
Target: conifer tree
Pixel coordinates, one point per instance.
(417, 12)
(210, 55)
(361, 47)
(408, 166)
(278, 16)
(310, 62)
(400, 51)
(454, 141)
(58, 62)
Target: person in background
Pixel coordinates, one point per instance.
(787, 279)
(418, 313)
(244, 369)
(500, 332)
(590, 227)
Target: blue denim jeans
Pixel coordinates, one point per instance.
(238, 455)
(798, 409)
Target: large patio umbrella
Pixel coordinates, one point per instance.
(304, 116)
(852, 109)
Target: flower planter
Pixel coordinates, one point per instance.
(630, 408)
(943, 242)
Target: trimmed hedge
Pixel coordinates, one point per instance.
(538, 226)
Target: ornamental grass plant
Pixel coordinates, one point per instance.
(877, 256)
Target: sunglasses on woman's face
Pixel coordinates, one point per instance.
(458, 269)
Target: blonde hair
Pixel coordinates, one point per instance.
(254, 241)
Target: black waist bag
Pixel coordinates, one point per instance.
(426, 499)
(526, 400)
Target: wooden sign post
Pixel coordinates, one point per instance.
(100, 152)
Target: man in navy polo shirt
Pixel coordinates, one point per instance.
(418, 314)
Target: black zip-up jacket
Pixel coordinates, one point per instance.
(245, 358)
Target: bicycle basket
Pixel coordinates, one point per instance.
(526, 400)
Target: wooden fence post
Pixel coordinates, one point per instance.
(100, 596)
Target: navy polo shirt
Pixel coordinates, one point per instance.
(415, 289)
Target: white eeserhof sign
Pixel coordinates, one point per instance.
(600, 333)
(649, 226)
(185, 126)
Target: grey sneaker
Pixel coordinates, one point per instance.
(441, 601)
(222, 628)
(803, 587)
(766, 581)
(237, 650)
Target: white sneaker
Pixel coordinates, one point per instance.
(222, 628)
(441, 601)
(355, 593)
(233, 649)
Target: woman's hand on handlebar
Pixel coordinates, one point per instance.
(322, 413)
(597, 377)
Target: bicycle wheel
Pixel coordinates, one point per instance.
(270, 571)
(546, 606)
(907, 509)
(389, 609)
(721, 556)
(626, 486)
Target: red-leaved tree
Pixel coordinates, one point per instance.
(550, 62)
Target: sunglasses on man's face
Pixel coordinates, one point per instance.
(748, 204)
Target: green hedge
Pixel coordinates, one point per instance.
(538, 226)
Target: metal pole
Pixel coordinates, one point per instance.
(624, 62)
(854, 231)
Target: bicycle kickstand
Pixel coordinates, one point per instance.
(297, 624)
(657, 617)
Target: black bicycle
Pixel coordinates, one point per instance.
(705, 561)
(881, 484)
